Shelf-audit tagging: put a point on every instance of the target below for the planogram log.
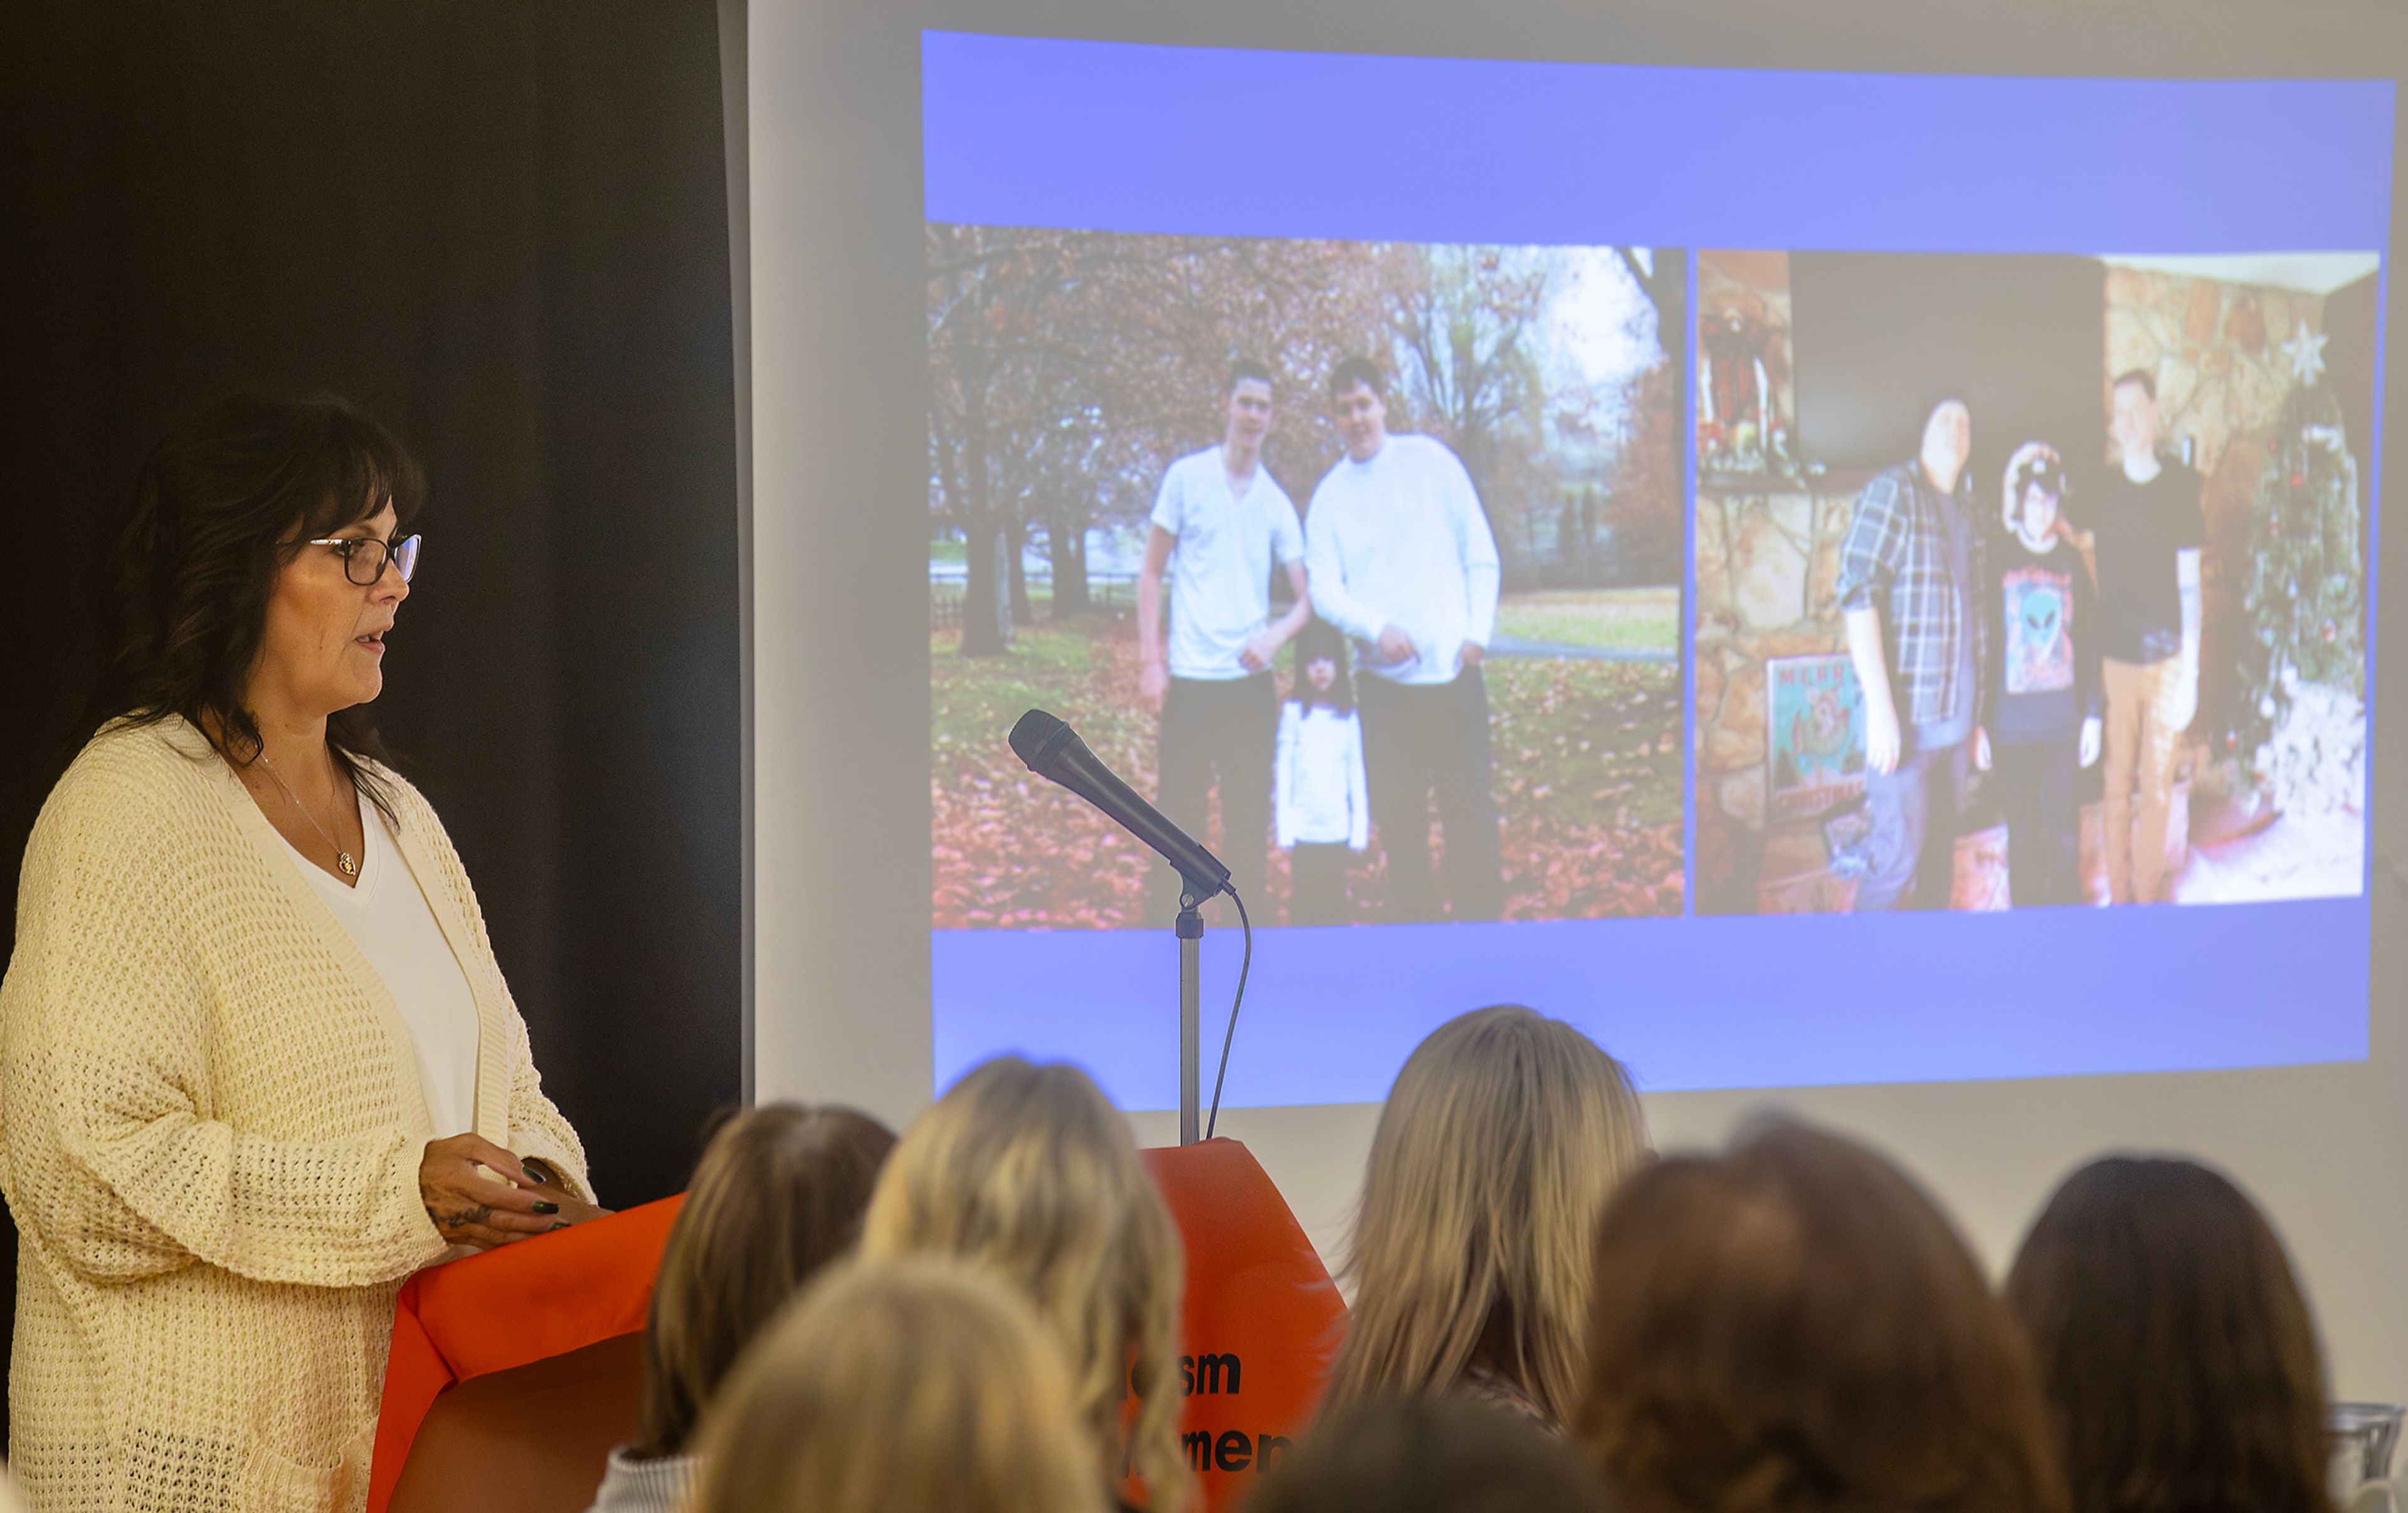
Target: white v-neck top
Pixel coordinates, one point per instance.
(387, 918)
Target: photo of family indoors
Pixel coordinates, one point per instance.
(1362, 561)
(2030, 580)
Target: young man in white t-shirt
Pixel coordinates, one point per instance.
(1401, 557)
(1221, 524)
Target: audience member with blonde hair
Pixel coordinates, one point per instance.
(917, 1386)
(779, 1194)
(1501, 1140)
(2176, 1352)
(1029, 1172)
(1793, 1328)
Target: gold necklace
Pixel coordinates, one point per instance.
(348, 863)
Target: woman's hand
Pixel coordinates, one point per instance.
(573, 1209)
(477, 1194)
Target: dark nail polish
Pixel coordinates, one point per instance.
(546, 1208)
(561, 1225)
(533, 1174)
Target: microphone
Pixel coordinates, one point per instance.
(1053, 750)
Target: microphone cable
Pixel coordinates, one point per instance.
(1245, 965)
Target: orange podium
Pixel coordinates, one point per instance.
(524, 1364)
(1262, 1319)
(513, 1373)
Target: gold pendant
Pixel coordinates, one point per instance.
(351, 868)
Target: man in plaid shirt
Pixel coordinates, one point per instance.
(1909, 584)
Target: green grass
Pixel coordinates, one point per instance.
(1627, 619)
(973, 701)
(956, 552)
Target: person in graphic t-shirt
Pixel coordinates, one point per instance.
(2147, 531)
(1220, 523)
(1402, 560)
(1320, 812)
(2042, 704)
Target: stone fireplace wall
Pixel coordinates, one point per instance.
(1767, 563)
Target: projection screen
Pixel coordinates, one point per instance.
(2049, 346)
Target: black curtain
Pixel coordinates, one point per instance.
(502, 228)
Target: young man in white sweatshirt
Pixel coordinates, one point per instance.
(1400, 556)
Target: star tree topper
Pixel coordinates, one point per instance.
(2306, 350)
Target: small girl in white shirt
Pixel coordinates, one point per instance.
(1320, 812)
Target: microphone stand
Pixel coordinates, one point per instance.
(1054, 751)
(1190, 927)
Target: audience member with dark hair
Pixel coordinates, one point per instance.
(779, 1195)
(915, 1386)
(2178, 1356)
(1428, 1455)
(1793, 1328)
(1501, 1139)
(1030, 1171)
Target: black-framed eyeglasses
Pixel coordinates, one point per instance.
(365, 557)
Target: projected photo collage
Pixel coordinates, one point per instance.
(1456, 583)
(1364, 562)
(2030, 581)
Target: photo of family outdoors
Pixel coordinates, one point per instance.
(1363, 561)
(2030, 580)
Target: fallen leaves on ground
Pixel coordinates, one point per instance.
(1587, 783)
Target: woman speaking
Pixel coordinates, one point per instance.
(257, 1062)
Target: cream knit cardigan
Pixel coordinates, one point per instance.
(211, 1127)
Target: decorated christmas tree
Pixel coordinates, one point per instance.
(2303, 589)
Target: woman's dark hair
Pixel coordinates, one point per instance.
(2177, 1354)
(220, 505)
(1793, 1328)
(1426, 1455)
(1317, 640)
(777, 1195)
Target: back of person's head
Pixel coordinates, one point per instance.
(2178, 1355)
(1428, 1455)
(778, 1193)
(1503, 1136)
(1030, 1171)
(915, 1386)
(1793, 1328)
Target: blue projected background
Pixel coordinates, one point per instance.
(1138, 139)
